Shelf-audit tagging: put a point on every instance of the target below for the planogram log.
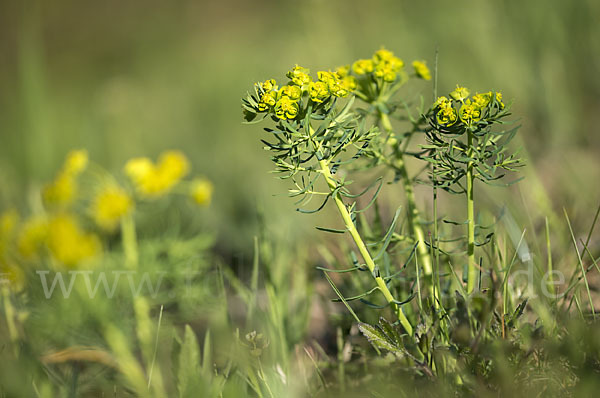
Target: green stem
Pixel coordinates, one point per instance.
(414, 219)
(340, 358)
(129, 241)
(360, 244)
(362, 248)
(472, 265)
(9, 312)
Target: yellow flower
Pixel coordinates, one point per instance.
(8, 222)
(349, 83)
(386, 64)
(267, 101)
(76, 162)
(442, 102)
(156, 180)
(421, 70)
(139, 168)
(202, 191)
(68, 243)
(62, 191)
(499, 99)
(269, 85)
(294, 92)
(110, 205)
(460, 93)
(299, 75)
(482, 100)
(318, 91)
(383, 55)
(286, 108)
(469, 112)
(446, 116)
(343, 71)
(334, 83)
(362, 66)
(31, 237)
(386, 72)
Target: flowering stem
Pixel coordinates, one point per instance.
(129, 241)
(414, 219)
(362, 248)
(9, 311)
(472, 265)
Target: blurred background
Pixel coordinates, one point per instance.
(133, 78)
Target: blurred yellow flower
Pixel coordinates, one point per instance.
(421, 70)
(362, 66)
(8, 223)
(383, 55)
(154, 180)
(32, 236)
(202, 190)
(63, 190)
(386, 72)
(76, 162)
(343, 71)
(68, 243)
(110, 205)
(384, 65)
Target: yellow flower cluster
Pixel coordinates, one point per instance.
(58, 234)
(286, 108)
(62, 191)
(284, 102)
(384, 64)
(446, 114)
(421, 70)
(363, 78)
(68, 243)
(154, 180)
(110, 205)
(32, 237)
(61, 235)
(470, 109)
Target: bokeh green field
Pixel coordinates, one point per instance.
(125, 79)
(133, 79)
